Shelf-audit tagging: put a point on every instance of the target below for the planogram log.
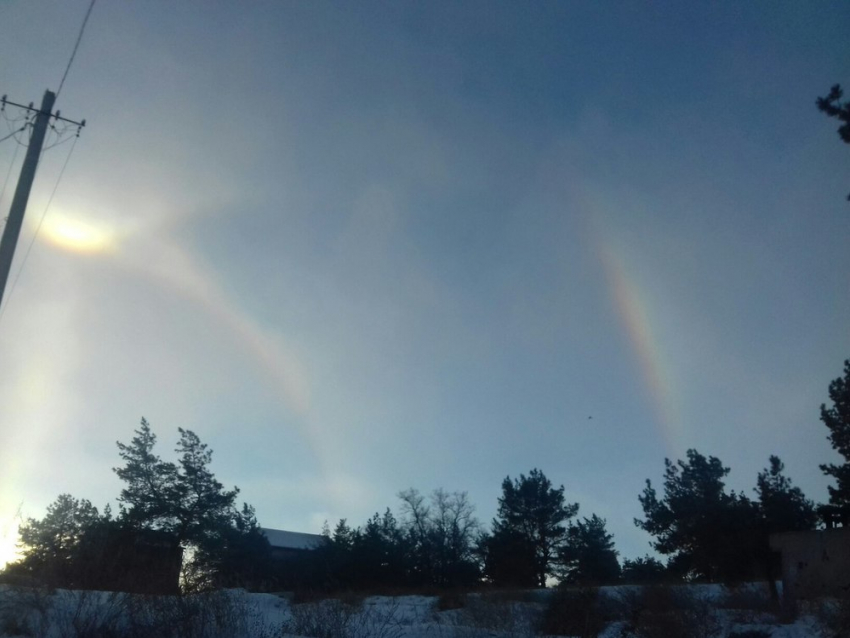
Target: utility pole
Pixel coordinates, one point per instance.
(22, 192)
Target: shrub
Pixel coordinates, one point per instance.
(322, 619)
(575, 612)
(25, 610)
(661, 611)
(208, 615)
(12, 621)
(501, 612)
(333, 618)
(833, 616)
(88, 614)
(452, 599)
(751, 603)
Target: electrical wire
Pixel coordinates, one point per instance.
(59, 142)
(76, 46)
(18, 140)
(8, 296)
(12, 134)
(12, 124)
(56, 135)
(9, 173)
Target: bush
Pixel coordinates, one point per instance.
(17, 618)
(218, 614)
(452, 599)
(833, 616)
(333, 618)
(751, 603)
(322, 619)
(91, 614)
(576, 612)
(88, 614)
(501, 612)
(661, 611)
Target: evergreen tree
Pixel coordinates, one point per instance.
(337, 555)
(185, 500)
(833, 107)
(379, 552)
(508, 559)
(644, 570)
(837, 419)
(708, 534)
(149, 482)
(186, 503)
(201, 505)
(784, 507)
(237, 554)
(52, 545)
(531, 515)
(589, 556)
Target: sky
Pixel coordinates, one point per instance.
(363, 247)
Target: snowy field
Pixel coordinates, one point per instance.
(619, 612)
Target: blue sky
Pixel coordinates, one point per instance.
(364, 247)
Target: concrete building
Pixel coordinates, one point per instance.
(287, 545)
(815, 563)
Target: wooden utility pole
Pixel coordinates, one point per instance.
(22, 192)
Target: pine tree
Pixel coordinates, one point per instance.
(508, 559)
(149, 492)
(52, 544)
(784, 507)
(184, 500)
(833, 107)
(837, 419)
(187, 504)
(237, 554)
(708, 533)
(589, 556)
(532, 514)
(202, 506)
(644, 569)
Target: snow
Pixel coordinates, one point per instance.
(64, 613)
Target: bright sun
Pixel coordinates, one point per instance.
(76, 235)
(8, 547)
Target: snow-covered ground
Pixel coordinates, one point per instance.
(76, 614)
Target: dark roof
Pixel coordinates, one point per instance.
(282, 539)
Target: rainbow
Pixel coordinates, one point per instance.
(640, 322)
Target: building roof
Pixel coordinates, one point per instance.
(281, 539)
(810, 537)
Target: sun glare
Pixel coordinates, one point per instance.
(77, 235)
(9, 547)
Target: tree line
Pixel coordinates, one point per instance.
(182, 512)
(704, 531)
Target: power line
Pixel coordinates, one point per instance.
(13, 122)
(13, 133)
(60, 142)
(9, 172)
(76, 46)
(38, 228)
